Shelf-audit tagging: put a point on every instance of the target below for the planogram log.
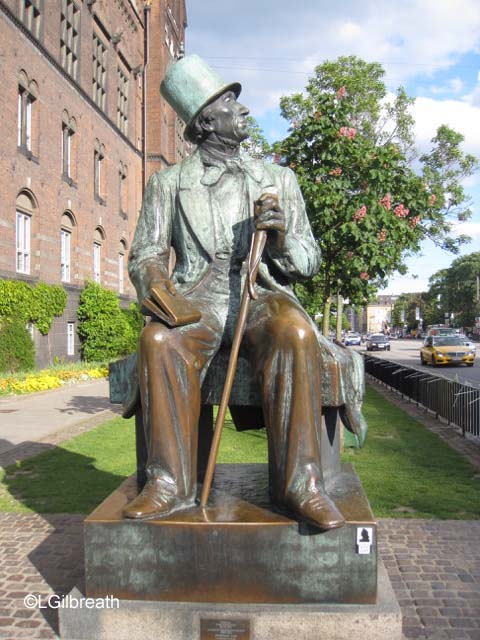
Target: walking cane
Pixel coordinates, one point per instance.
(256, 249)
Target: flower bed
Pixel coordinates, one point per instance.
(49, 379)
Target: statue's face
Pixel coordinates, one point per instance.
(228, 118)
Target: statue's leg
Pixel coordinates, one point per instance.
(288, 363)
(170, 366)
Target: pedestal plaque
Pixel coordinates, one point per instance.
(222, 629)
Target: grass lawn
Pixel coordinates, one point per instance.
(406, 470)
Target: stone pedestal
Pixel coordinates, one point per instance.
(240, 549)
(197, 621)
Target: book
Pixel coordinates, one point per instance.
(173, 310)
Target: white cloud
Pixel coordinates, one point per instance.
(460, 115)
(411, 39)
(467, 228)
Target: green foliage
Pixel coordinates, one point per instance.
(256, 145)
(105, 331)
(36, 304)
(136, 321)
(17, 351)
(455, 291)
(351, 153)
(408, 306)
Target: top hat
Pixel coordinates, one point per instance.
(189, 85)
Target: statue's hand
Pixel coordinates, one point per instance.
(165, 284)
(268, 214)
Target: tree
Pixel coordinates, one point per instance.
(456, 290)
(256, 145)
(351, 152)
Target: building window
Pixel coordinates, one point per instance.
(70, 338)
(99, 72)
(24, 128)
(99, 172)
(122, 101)
(98, 238)
(121, 265)
(69, 126)
(123, 195)
(97, 259)
(69, 37)
(65, 243)
(68, 223)
(23, 242)
(31, 15)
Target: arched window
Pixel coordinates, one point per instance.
(27, 115)
(123, 196)
(98, 240)
(25, 207)
(69, 128)
(67, 225)
(98, 171)
(122, 250)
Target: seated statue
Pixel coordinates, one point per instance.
(206, 208)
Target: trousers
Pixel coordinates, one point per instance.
(282, 344)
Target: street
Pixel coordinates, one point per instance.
(407, 352)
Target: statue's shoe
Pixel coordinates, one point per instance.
(316, 508)
(152, 502)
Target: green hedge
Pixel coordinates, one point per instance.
(36, 304)
(106, 332)
(17, 351)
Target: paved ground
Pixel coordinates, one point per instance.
(38, 416)
(434, 566)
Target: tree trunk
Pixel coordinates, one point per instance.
(326, 316)
(339, 317)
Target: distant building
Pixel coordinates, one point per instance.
(378, 314)
(82, 127)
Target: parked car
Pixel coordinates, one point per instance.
(440, 350)
(377, 342)
(353, 339)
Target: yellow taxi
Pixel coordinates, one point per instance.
(447, 350)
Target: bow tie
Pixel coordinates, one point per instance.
(214, 171)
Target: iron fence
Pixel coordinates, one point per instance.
(458, 404)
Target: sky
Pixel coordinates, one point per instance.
(431, 47)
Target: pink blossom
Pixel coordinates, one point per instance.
(347, 132)
(360, 214)
(414, 221)
(382, 235)
(386, 201)
(335, 172)
(364, 275)
(341, 92)
(400, 211)
(433, 197)
(350, 254)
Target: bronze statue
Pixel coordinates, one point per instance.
(206, 208)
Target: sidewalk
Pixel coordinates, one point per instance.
(30, 423)
(434, 565)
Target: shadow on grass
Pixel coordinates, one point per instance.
(48, 485)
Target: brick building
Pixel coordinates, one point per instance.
(80, 88)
